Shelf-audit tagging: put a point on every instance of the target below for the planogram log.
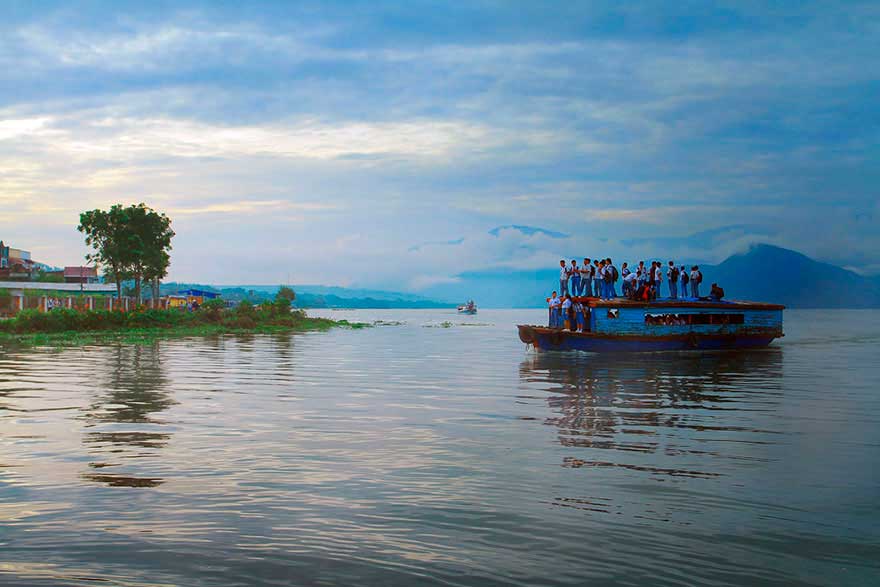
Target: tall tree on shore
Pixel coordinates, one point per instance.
(130, 242)
(108, 234)
(152, 236)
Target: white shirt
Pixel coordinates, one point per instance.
(566, 304)
(600, 272)
(563, 274)
(630, 277)
(658, 274)
(554, 302)
(586, 272)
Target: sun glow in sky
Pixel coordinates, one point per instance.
(379, 144)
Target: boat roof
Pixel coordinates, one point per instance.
(669, 304)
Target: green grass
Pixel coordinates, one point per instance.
(70, 328)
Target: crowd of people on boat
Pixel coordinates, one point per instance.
(599, 278)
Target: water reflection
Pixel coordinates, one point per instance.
(122, 422)
(653, 404)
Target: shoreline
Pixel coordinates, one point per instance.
(149, 334)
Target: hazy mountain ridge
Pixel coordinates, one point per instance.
(315, 296)
(763, 273)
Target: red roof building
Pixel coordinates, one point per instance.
(81, 275)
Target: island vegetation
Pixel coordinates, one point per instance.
(67, 326)
(132, 244)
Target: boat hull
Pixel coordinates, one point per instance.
(469, 312)
(552, 339)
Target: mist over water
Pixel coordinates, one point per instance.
(439, 450)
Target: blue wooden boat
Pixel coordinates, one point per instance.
(621, 325)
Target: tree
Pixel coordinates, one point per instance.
(151, 237)
(129, 242)
(286, 293)
(108, 234)
(283, 299)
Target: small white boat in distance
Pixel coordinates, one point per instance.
(468, 308)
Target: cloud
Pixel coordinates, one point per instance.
(615, 129)
(527, 230)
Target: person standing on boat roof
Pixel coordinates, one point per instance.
(615, 275)
(684, 281)
(586, 278)
(672, 276)
(599, 278)
(563, 278)
(624, 273)
(574, 278)
(630, 284)
(696, 278)
(658, 279)
(553, 304)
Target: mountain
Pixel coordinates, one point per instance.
(315, 296)
(773, 274)
(763, 273)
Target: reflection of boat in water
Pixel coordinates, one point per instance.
(468, 308)
(668, 325)
(657, 415)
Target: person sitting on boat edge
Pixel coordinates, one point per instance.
(643, 293)
(717, 293)
(553, 303)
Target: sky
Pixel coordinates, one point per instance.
(395, 145)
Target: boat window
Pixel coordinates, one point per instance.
(689, 319)
(614, 313)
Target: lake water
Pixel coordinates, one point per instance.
(426, 453)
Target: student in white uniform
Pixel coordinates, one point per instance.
(565, 318)
(563, 278)
(586, 279)
(658, 279)
(553, 303)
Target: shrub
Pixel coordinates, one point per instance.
(213, 310)
(155, 319)
(30, 321)
(245, 308)
(245, 322)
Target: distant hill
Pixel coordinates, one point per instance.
(774, 274)
(316, 296)
(763, 273)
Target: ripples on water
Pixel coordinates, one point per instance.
(404, 455)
